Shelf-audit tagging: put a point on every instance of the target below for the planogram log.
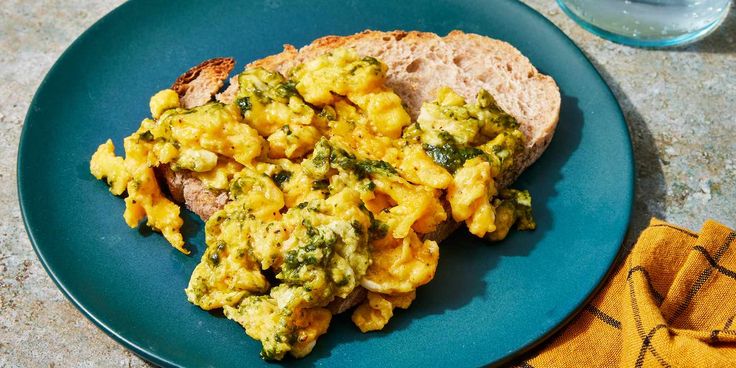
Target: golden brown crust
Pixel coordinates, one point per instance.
(197, 86)
(189, 191)
(174, 182)
(291, 56)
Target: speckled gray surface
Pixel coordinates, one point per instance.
(679, 105)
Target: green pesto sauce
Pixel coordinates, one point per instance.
(451, 156)
(265, 86)
(286, 89)
(328, 113)
(521, 201)
(320, 184)
(244, 104)
(361, 168)
(146, 136)
(368, 62)
(378, 229)
(316, 251)
(497, 140)
(281, 177)
(215, 256)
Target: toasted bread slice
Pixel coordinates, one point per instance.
(418, 64)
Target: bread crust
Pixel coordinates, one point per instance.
(419, 62)
(191, 192)
(340, 305)
(197, 86)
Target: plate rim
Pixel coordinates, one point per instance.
(154, 358)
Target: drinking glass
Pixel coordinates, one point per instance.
(648, 23)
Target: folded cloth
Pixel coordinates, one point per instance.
(671, 303)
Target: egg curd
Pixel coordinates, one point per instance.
(332, 187)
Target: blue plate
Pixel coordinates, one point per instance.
(488, 302)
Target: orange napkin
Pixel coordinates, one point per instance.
(672, 303)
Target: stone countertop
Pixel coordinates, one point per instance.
(679, 105)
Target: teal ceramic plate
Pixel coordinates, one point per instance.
(487, 303)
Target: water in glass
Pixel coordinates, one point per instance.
(648, 22)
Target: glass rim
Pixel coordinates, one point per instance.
(681, 40)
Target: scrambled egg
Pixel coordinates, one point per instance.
(331, 187)
(377, 309)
